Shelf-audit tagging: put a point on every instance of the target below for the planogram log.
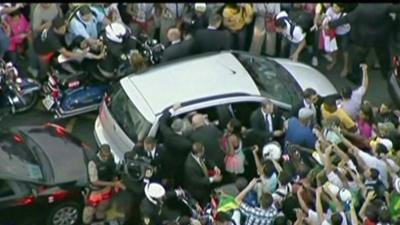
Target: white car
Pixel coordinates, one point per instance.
(224, 85)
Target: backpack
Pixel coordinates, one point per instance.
(300, 18)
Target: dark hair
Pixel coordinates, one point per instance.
(381, 149)
(236, 125)
(222, 217)
(78, 41)
(280, 23)
(368, 112)
(336, 219)
(58, 22)
(371, 212)
(16, 12)
(105, 147)
(266, 200)
(330, 101)
(346, 92)
(384, 216)
(269, 168)
(150, 140)
(374, 173)
(84, 10)
(303, 171)
(284, 177)
(309, 92)
(280, 220)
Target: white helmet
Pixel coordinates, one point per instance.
(116, 32)
(154, 192)
(272, 151)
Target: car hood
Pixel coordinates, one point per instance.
(308, 77)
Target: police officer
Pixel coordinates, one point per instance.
(151, 207)
(102, 176)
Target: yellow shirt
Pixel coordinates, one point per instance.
(345, 119)
(235, 19)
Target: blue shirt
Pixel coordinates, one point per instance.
(299, 134)
(79, 27)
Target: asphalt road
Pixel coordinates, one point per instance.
(82, 126)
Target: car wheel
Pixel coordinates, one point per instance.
(68, 213)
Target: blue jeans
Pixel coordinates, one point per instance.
(4, 43)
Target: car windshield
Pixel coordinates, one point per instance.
(127, 115)
(18, 159)
(272, 80)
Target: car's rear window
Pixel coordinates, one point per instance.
(127, 115)
(17, 159)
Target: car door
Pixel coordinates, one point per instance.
(13, 199)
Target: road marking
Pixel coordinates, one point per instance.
(71, 124)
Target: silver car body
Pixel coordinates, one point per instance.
(203, 81)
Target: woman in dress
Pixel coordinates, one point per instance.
(231, 144)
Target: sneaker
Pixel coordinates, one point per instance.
(328, 57)
(314, 61)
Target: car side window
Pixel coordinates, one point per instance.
(243, 110)
(5, 189)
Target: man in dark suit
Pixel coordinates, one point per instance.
(155, 153)
(176, 144)
(310, 99)
(212, 39)
(266, 125)
(178, 48)
(209, 135)
(196, 178)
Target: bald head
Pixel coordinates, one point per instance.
(173, 34)
(198, 120)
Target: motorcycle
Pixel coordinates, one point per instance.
(19, 94)
(149, 48)
(66, 96)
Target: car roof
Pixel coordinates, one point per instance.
(197, 78)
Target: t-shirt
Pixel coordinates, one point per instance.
(47, 41)
(344, 220)
(41, 15)
(299, 134)
(345, 119)
(297, 36)
(373, 162)
(340, 30)
(353, 105)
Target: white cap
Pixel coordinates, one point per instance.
(387, 143)
(115, 32)
(331, 187)
(201, 7)
(281, 14)
(272, 151)
(305, 113)
(345, 195)
(154, 191)
(396, 184)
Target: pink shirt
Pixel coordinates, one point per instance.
(365, 128)
(18, 29)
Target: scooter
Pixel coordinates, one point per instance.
(18, 94)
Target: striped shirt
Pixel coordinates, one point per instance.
(258, 216)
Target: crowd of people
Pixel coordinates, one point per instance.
(331, 160)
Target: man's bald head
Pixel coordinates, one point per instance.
(198, 120)
(173, 34)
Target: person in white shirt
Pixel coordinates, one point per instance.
(292, 32)
(335, 12)
(352, 99)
